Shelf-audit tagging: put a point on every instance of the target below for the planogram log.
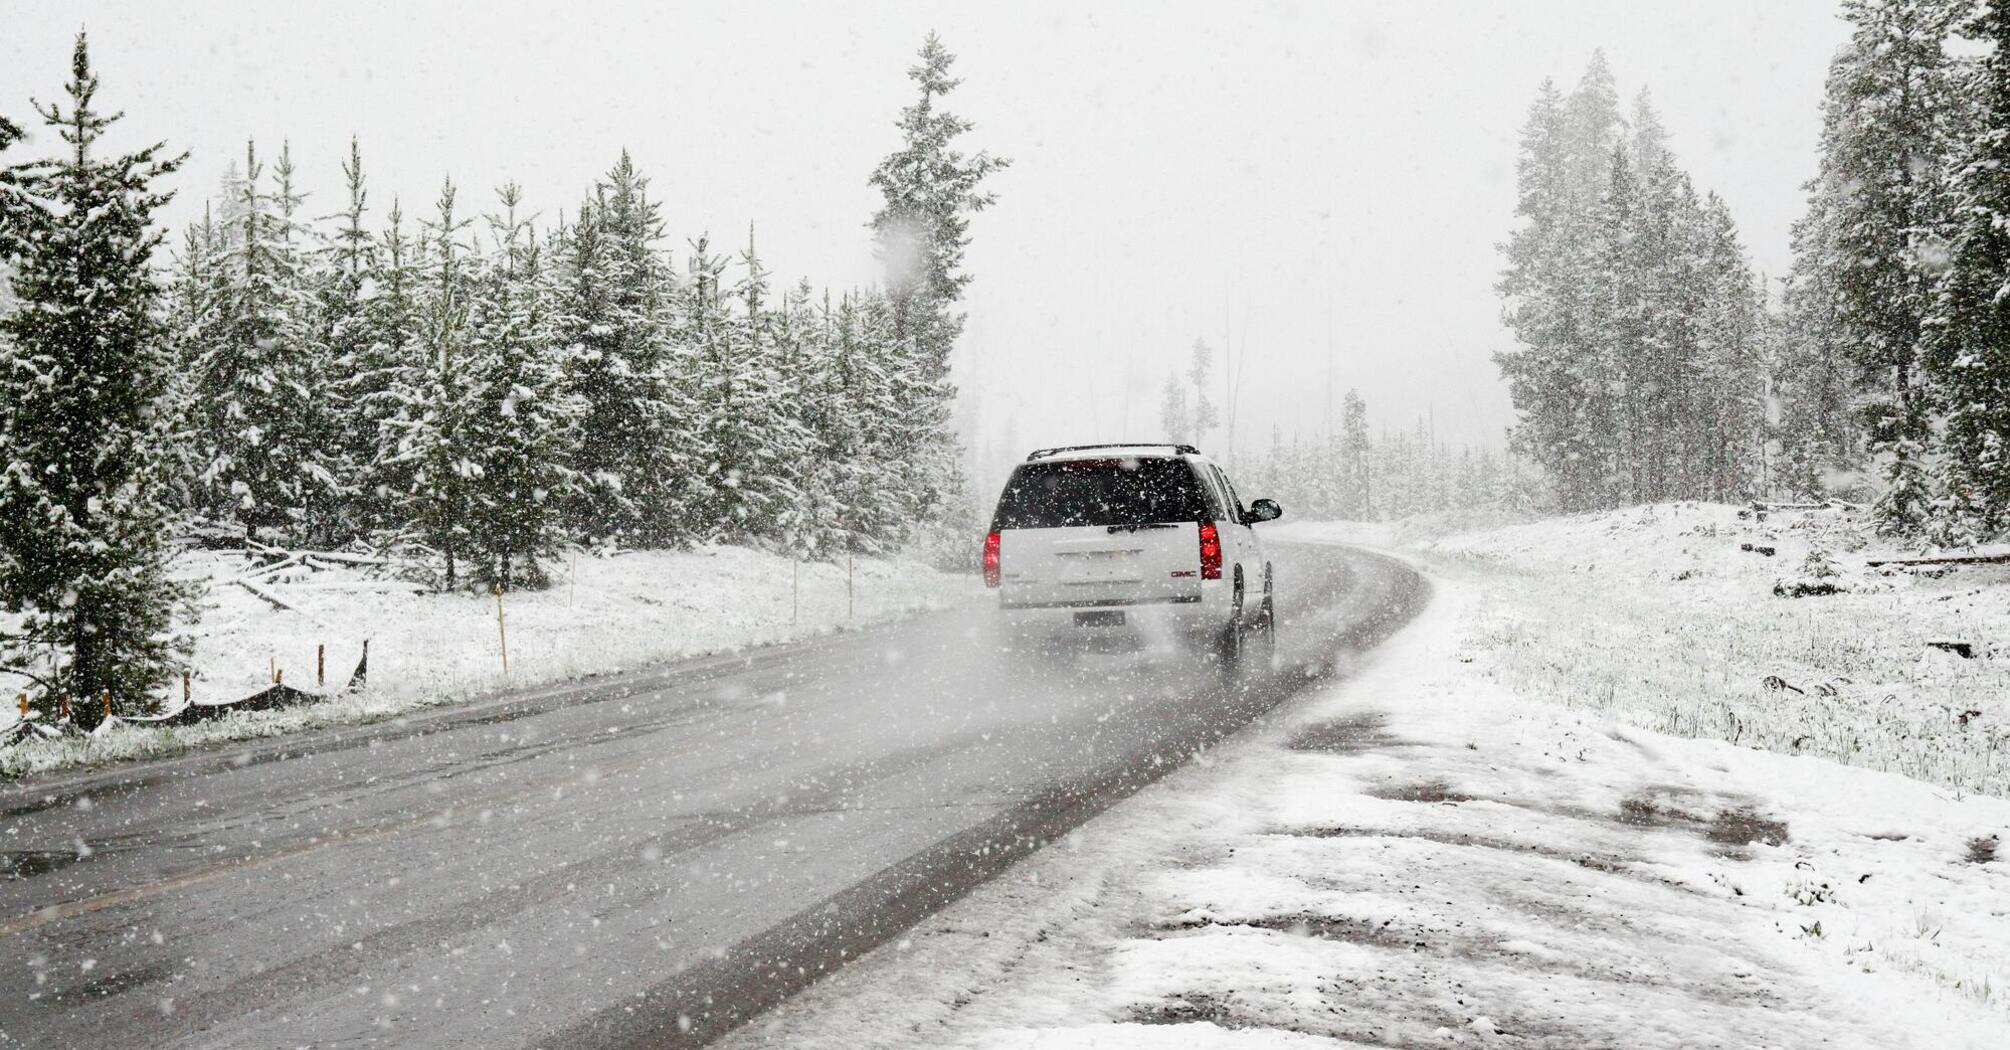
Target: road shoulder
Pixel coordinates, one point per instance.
(1417, 857)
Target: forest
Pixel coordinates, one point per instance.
(451, 384)
(1650, 365)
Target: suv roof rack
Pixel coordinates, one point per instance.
(1180, 450)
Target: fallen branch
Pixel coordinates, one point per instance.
(279, 603)
(1950, 559)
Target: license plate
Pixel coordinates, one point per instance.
(1099, 618)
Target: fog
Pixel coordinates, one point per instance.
(1256, 175)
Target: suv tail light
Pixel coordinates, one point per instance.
(991, 573)
(1210, 552)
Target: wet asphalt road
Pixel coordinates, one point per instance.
(636, 861)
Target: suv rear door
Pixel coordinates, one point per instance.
(1100, 532)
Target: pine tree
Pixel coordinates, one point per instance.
(615, 312)
(1815, 384)
(85, 529)
(520, 421)
(1200, 366)
(260, 377)
(929, 190)
(388, 362)
(1729, 428)
(343, 286)
(1968, 348)
(436, 439)
(1883, 147)
(1175, 416)
(1356, 486)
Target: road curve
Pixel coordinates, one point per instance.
(645, 860)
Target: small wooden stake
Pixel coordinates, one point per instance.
(321, 665)
(279, 676)
(24, 705)
(63, 704)
(272, 666)
(108, 703)
(502, 631)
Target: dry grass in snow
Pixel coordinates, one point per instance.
(1659, 616)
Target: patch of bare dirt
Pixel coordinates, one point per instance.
(1345, 736)
(1422, 791)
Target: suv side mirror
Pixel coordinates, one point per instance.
(1262, 510)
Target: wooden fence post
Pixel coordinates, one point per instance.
(502, 631)
(24, 705)
(108, 703)
(63, 704)
(321, 665)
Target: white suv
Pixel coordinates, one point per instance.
(1134, 542)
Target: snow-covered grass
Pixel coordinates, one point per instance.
(1658, 616)
(601, 615)
(1424, 857)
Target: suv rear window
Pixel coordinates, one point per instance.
(1100, 492)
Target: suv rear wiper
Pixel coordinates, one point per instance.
(1114, 529)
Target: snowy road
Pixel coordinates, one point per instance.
(640, 861)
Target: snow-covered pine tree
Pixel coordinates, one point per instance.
(614, 310)
(1968, 346)
(1175, 416)
(1728, 436)
(1617, 317)
(315, 430)
(520, 421)
(929, 190)
(1815, 385)
(1880, 188)
(732, 398)
(194, 296)
(1553, 374)
(435, 440)
(389, 358)
(260, 371)
(766, 467)
(1357, 482)
(1199, 372)
(85, 529)
(343, 286)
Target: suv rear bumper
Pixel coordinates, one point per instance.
(1117, 622)
(1104, 603)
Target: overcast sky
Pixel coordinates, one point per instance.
(1180, 170)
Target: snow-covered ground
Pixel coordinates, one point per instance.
(1464, 845)
(1661, 617)
(601, 615)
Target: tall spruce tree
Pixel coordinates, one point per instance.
(85, 528)
(929, 190)
(1880, 188)
(436, 441)
(344, 285)
(519, 422)
(1968, 349)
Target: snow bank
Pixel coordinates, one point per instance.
(601, 615)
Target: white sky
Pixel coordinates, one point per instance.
(1281, 163)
